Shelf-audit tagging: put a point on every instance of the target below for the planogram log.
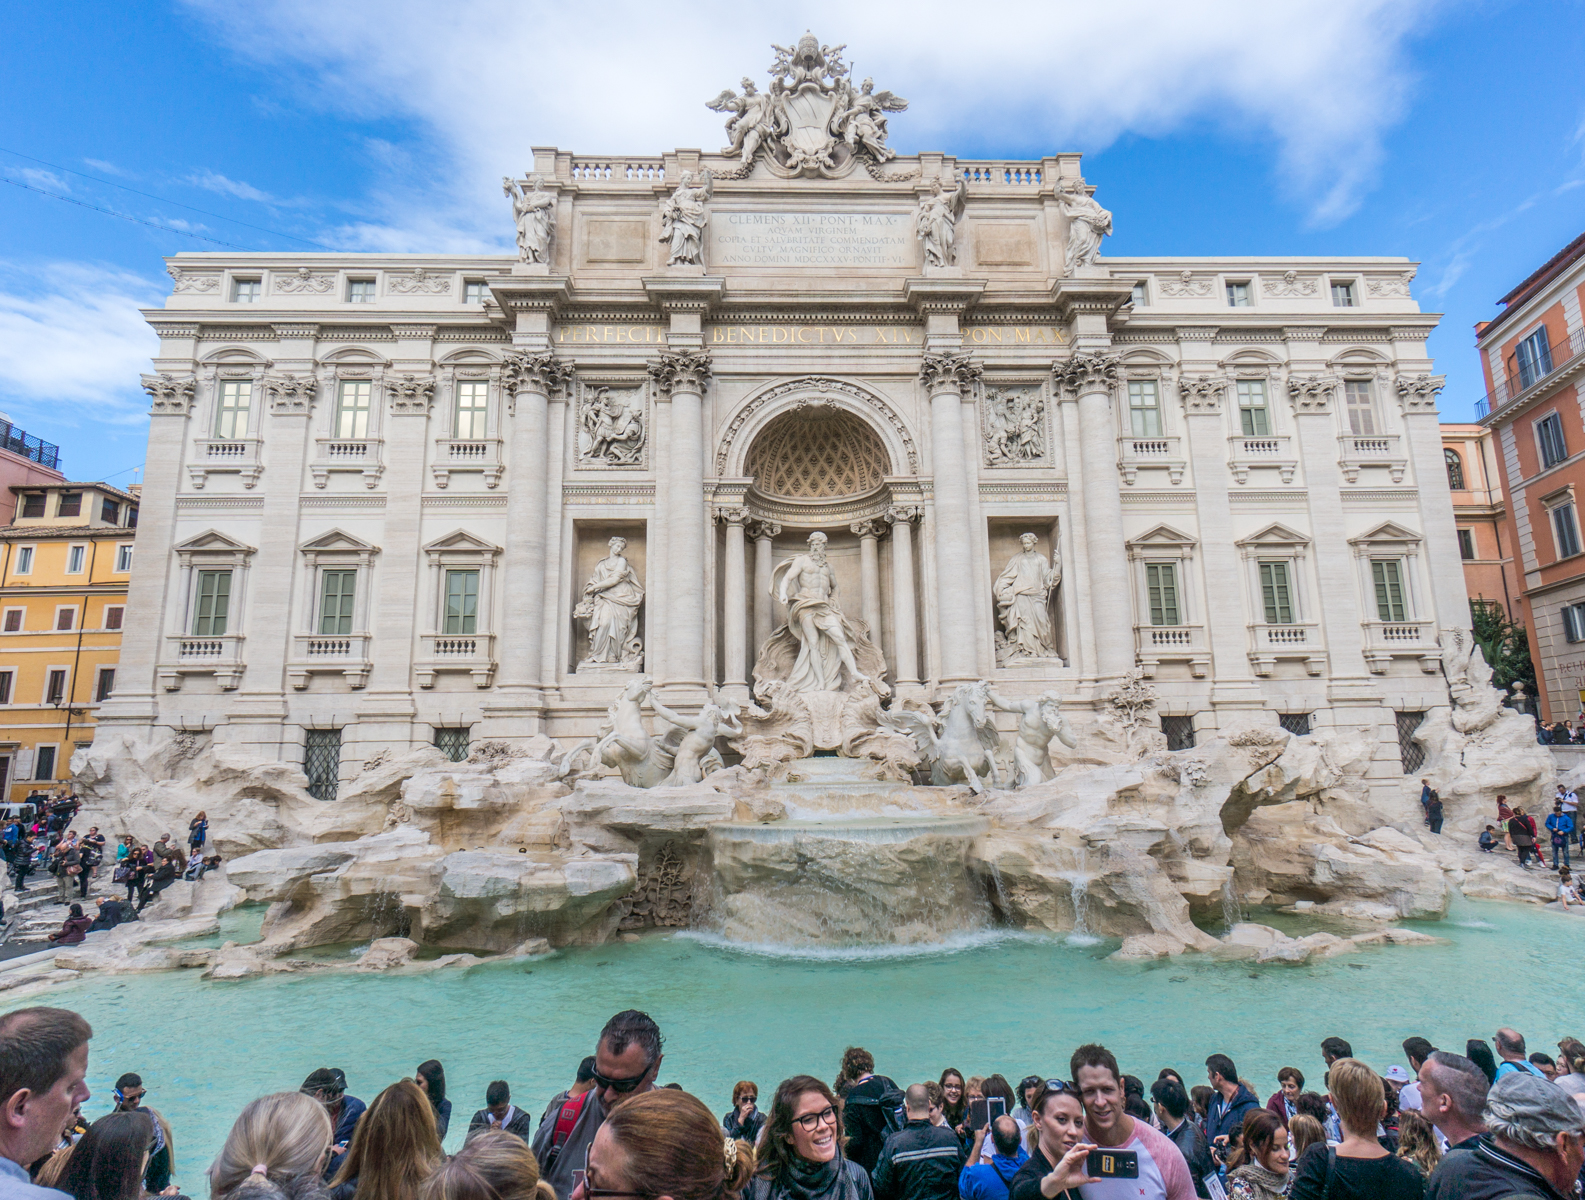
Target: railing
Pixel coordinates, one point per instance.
(1515, 383)
(456, 647)
(469, 451)
(471, 652)
(1245, 451)
(1283, 635)
(467, 454)
(1018, 173)
(196, 649)
(344, 450)
(1370, 445)
(1154, 644)
(1398, 634)
(1271, 642)
(1356, 450)
(328, 647)
(239, 449)
(1163, 635)
(1259, 446)
(1157, 451)
(346, 654)
(590, 170)
(46, 454)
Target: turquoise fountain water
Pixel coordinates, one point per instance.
(984, 1002)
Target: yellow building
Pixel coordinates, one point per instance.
(64, 564)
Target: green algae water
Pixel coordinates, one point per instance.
(1013, 1003)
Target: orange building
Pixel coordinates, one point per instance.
(1480, 512)
(1533, 356)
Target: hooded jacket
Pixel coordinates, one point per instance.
(1225, 1117)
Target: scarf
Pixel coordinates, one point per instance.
(1262, 1184)
(818, 1181)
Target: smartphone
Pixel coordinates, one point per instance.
(995, 1106)
(979, 1114)
(1112, 1164)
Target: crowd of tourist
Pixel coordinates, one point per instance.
(1492, 1123)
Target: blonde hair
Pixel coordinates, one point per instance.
(1417, 1142)
(1307, 1132)
(50, 1173)
(286, 1133)
(1358, 1095)
(395, 1147)
(493, 1165)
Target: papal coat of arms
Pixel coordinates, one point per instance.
(812, 121)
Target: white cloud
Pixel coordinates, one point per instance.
(44, 179)
(485, 80)
(71, 335)
(215, 182)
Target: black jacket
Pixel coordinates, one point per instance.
(521, 1124)
(1188, 1138)
(864, 1120)
(1486, 1173)
(920, 1161)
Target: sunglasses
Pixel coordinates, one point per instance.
(590, 1190)
(621, 1086)
(1049, 1086)
(809, 1122)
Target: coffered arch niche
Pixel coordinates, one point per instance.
(832, 394)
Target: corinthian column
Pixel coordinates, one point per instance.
(530, 377)
(1092, 378)
(679, 377)
(869, 533)
(944, 377)
(905, 637)
(765, 533)
(734, 615)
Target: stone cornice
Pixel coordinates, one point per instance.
(1103, 296)
(528, 293)
(943, 295)
(685, 294)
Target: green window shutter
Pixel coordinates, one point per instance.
(1275, 594)
(1161, 580)
(462, 602)
(214, 603)
(336, 592)
(1389, 590)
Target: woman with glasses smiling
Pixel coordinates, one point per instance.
(1057, 1146)
(800, 1153)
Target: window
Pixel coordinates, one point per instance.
(123, 558)
(1387, 576)
(1239, 295)
(1410, 753)
(44, 762)
(1565, 530)
(24, 563)
(322, 762)
(65, 618)
(1297, 724)
(1343, 294)
(106, 683)
(33, 504)
(13, 621)
(1144, 408)
(1276, 593)
(132, 516)
(352, 408)
(336, 589)
(452, 742)
(462, 602)
(1179, 731)
(113, 615)
(475, 291)
(1161, 588)
(110, 512)
(1549, 439)
(360, 291)
(75, 557)
(213, 603)
(1466, 544)
(472, 411)
(246, 291)
(1574, 622)
(1534, 357)
(5, 686)
(1361, 408)
(1254, 418)
(231, 416)
(55, 686)
(1141, 294)
(71, 505)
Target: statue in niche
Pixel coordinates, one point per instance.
(935, 222)
(610, 606)
(534, 211)
(827, 642)
(683, 216)
(1014, 435)
(1040, 720)
(1088, 223)
(1023, 604)
(861, 121)
(615, 428)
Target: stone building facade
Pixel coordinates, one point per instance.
(382, 490)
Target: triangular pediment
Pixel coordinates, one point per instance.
(1387, 531)
(338, 539)
(461, 539)
(213, 540)
(1162, 536)
(1275, 534)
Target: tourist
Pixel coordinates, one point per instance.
(1488, 839)
(1522, 831)
(73, 929)
(954, 1098)
(111, 913)
(491, 1166)
(431, 1076)
(868, 1104)
(1545, 1064)
(94, 844)
(1058, 1146)
(664, 1142)
(68, 865)
(1453, 1094)
(1290, 1082)
(1200, 1098)
(1560, 827)
(1571, 1066)
(500, 1113)
(1532, 1147)
(1416, 1050)
(1334, 1048)
(108, 1163)
(997, 1087)
(627, 1057)
(992, 1178)
(1162, 1170)
(800, 1149)
(1426, 792)
(1228, 1106)
(1478, 1052)
(920, 1161)
(1028, 1087)
(1360, 1165)
(1417, 1141)
(1172, 1111)
(162, 876)
(1304, 1131)
(1134, 1099)
(198, 831)
(129, 1095)
(1510, 1049)
(43, 1069)
(1435, 813)
(1261, 1172)
(22, 861)
(393, 1150)
(1568, 891)
(745, 1121)
(275, 1150)
(328, 1085)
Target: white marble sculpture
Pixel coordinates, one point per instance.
(1015, 434)
(623, 743)
(610, 604)
(614, 425)
(683, 216)
(534, 211)
(958, 746)
(1023, 604)
(756, 116)
(1088, 223)
(695, 756)
(935, 223)
(863, 122)
(1040, 720)
(825, 648)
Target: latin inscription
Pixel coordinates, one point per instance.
(815, 335)
(611, 335)
(1013, 335)
(783, 239)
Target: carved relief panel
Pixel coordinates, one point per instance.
(613, 424)
(1014, 428)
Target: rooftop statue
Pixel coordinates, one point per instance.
(683, 216)
(534, 211)
(935, 222)
(1088, 223)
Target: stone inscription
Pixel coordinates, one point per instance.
(815, 335)
(1014, 335)
(612, 335)
(784, 239)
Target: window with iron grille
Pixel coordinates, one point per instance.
(33, 504)
(452, 742)
(1297, 724)
(322, 762)
(71, 505)
(1179, 731)
(1410, 752)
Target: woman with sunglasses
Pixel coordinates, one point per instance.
(1057, 1147)
(664, 1143)
(800, 1154)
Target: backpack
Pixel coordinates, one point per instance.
(566, 1118)
(890, 1104)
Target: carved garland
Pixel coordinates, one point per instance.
(821, 385)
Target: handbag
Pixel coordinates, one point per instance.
(121, 874)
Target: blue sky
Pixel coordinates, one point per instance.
(1452, 133)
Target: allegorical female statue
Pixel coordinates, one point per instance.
(1023, 594)
(610, 606)
(534, 211)
(683, 216)
(1088, 223)
(935, 223)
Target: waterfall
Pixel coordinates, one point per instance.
(1081, 907)
(1232, 904)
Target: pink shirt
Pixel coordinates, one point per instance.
(1163, 1173)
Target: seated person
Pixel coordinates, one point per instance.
(1488, 839)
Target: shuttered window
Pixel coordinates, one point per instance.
(336, 589)
(1386, 575)
(1161, 582)
(213, 604)
(1276, 594)
(462, 602)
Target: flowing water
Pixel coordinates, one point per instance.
(980, 1002)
